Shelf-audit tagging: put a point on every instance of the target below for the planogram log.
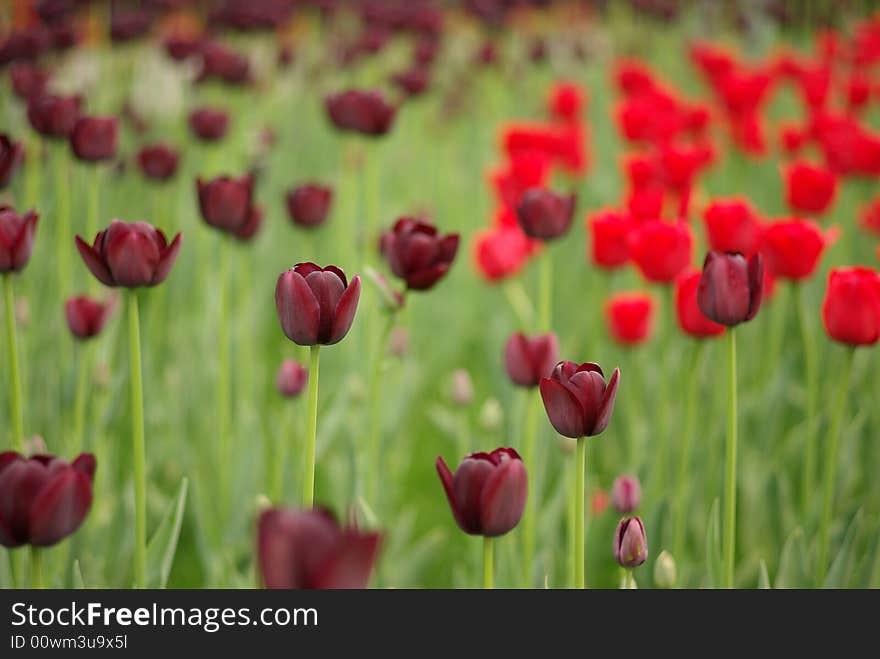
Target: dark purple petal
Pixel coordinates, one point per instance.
(298, 310)
(503, 499)
(563, 409)
(343, 316)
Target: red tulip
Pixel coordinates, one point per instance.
(53, 116)
(94, 138)
(28, 80)
(645, 204)
(662, 249)
(545, 215)
(208, 124)
(308, 549)
(793, 248)
(611, 235)
(870, 217)
(226, 202)
(16, 238)
(316, 305)
(488, 491)
(732, 225)
(501, 252)
(417, 253)
(851, 309)
(528, 359)
(224, 64)
(358, 111)
(11, 155)
(626, 494)
(182, 46)
(292, 378)
(309, 204)
(522, 171)
(566, 101)
(86, 317)
(793, 138)
(690, 319)
(630, 317)
(630, 543)
(412, 82)
(577, 400)
(730, 288)
(809, 188)
(158, 162)
(42, 498)
(130, 254)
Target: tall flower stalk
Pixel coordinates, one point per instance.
(312, 428)
(730, 465)
(139, 456)
(15, 399)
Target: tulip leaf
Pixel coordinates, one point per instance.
(163, 545)
(763, 577)
(792, 571)
(873, 575)
(842, 566)
(713, 546)
(78, 581)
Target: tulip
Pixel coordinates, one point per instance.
(308, 549)
(208, 124)
(86, 317)
(566, 102)
(53, 116)
(661, 250)
(870, 217)
(545, 215)
(158, 162)
(626, 494)
(611, 232)
(16, 239)
(730, 288)
(43, 499)
(364, 112)
(577, 399)
(528, 360)
(412, 82)
(732, 225)
(28, 80)
(690, 319)
(225, 202)
(223, 64)
(309, 204)
(665, 573)
(130, 254)
(292, 378)
(501, 252)
(793, 248)
(94, 138)
(630, 543)
(630, 317)
(417, 253)
(11, 155)
(851, 309)
(809, 188)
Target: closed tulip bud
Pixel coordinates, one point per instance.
(630, 543)
(316, 305)
(491, 415)
(793, 248)
(86, 317)
(665, 573)
(43, 499)
(292, 378)
(130, 254)
(461, 388)
(630, 317)
(528, 359)
(358, 111)
(225, 202)
(11, 155)
(577, 400)
(611, 233)
(732, 225)
(417, 253)
(691, 320)
(851, 309)
(16, 239)
(28, 80)
(94, 139)
(626, 494)
(53, 116)
(545, 215)
(223, 64)
(309, 204)
(158, 162)
(661, 250)
(730, 288)
(308, 549)
(208, 124)
(412, 82)
(809, 188)
(487, 493)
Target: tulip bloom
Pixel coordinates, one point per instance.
(851, 309)
(364, 112)
(86, 317)
(611, 236)
(94, 138)
(130, 254)
(226, 202)
(43, 499)
(292, 378)
(870, 217)
(630, 317)
(630, 543)
(690, 319)
(732, 225)
(626, 494)
(53, 116)
(501, 252)
(308, 549)
(11, 155)
(566, 102)
(309, 204)
(809, 188)
(577, 399)
(730, 288)
(16, 239)
(487, 493)
(529, 359)
(417, 253)
(793, 248)
(28, 80)
(661, 250)
(158, 162)
(208, 124)
(545, 215)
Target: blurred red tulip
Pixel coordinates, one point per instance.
(566, 102)
(527, 359)
(182, 46)
(292, 378)
(793, 247)
(522, 171)
(224, 64)
(364, 112)
(544, 214)
(851, 309)
(413, 81)
(226, 202)
(626, 494)
(53, 116)
(28, 80)
(309, 204)
(690, 319)
(501, 252)
(611, 234)
(16, 238)
(730, 288)
(645, 203)
(94, 139)
(630, 317)
(86, 317)
(208, 124)
(661, 250)
(251, 226)
(793, 138)
(158, 162)
(870, 217)
(417, 253)
(11, 156)
(577, 400)
(809, 188)
(858, 91)
(732, 225)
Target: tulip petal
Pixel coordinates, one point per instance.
(518, 361)
(503, 498)
(297, 309)
(588, 388)
(756, 285)
(94, 262)
(564, 411)
(86, 464)
(351, 565)
(277, 565)
(425, 279)
(20, 483)
(468, 483)
(167, 259)
(343, 316)
(606, 408)
(448, 248)
(60, 507)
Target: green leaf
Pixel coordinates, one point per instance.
(792, 569)
(763, 577)
(713, 546)
(78, 581)
(163, 545)
(842, 566)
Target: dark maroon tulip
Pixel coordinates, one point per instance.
(63, 36)
(316, 305)
(359, 111)
(223, 64)
(94, 139)
(251, 226)
(208, 124)
(16, 238)
(24, 44)
(86, 317)
(630, 543)
(417, 253)
(130, 254)
(545, 215)
(412, 82)
(309, 204)
(527, 359)
(309, 549)
(11, 155)
(53, 116)
(128, 24)
(226, 202)
(577, 400)
(42, 498)
(158, 162)
(28, 80)
(182, 46)
(488, 491)
(626, 494)
(292, 378)
(730, 287)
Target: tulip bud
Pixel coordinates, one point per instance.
(665, 573)
(28, 80)
(630, 317)
(809, 188)
(491, 415)
(461, 390)
(577, 400)
(417, 253)
(158, 162)
(732, 225)
(94, 139)
(851, 309)
(730, 288)
(412, 82)
(545, 215)
(11, 156)
(662, 250)
(610, 231)
(53, 116)
(292, 378)
(626, 494)
(86, 317)
(208, 124)
(364, 112)
(309, 204)
(225, 202)
(793, 247)
(630, 543)
(16, 239)
(528, 359)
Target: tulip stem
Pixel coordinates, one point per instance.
(533, 403)
(33, 168)
(375, 411)
(807, 481)
(94, 201)
(36, 568)
(138, 444)
(312, 431)
(488, 563)
(730, 476)
(832, 447)
(222, 393)
(83, 367)
(14, 374)
(580, 464)
(545, 292)
(64, 234)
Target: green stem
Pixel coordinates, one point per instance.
(488, 564)
(33, 169)
(94, 201)
(730, 476)
(64, 233)
(832, 447)
(36, 568)
(518, 301)
(312, 430)
(222, 393)
(14, 373)
(83, 368)
(580, 464)
(138, 444)
(545, 295)
(530, 519)
(375, 398)
(278, 459)
(808, 477)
